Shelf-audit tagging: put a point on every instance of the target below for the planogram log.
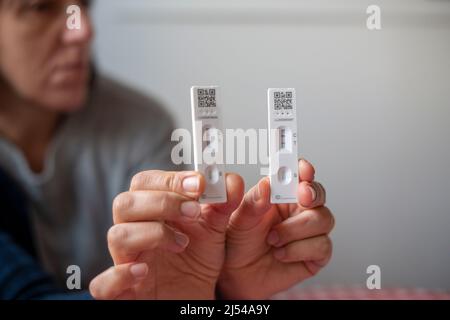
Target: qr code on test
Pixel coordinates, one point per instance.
(206, 98)
(282, 100)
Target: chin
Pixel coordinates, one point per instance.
(67, 91)
(69, 99)
(72, 106)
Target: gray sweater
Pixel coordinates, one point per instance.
(92, 158)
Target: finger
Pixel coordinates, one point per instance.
(310, 223)
(315, 266)
(311, 249)
(129, 294)
(127, 240)
(255, 203)
(188, 183)
(117, 280)
(306, 170)
(217, 215)
(311, 194)
(299, 271)
(153, 205)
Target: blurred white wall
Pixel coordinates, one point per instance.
(374, 107)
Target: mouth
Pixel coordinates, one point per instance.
(73, 66)
(72, 73)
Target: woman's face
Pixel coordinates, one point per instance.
(40, 58)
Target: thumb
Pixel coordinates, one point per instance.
(255, 204)
(217, 215)
(311, 195)
(117, 280)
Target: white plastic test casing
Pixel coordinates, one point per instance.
(208, 141)
(283, 161)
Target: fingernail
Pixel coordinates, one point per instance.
(273, 238)
(313, 192)
(191, 184)
(190, 209)
(257, 193)
(139, 270)
(279, 253)
(181, 239)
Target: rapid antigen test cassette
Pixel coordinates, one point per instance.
(283, 161)
(208, 142)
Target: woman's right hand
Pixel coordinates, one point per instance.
(164, 244)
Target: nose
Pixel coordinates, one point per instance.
(74, 35)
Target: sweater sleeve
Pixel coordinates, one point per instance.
(22, 278)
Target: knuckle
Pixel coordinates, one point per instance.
(313, 218)
(142, 179)
(137, 180)
(327, 219)
(167, 182)
(95, 289)
(164, 202)
(325, 246)
(122, 202)
(172, 182)
(158, 234)
(117, 235)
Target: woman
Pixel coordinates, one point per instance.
(75, 142)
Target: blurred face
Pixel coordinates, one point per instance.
(40, 58)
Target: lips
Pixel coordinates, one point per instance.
(70, 74)
(72, 66)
